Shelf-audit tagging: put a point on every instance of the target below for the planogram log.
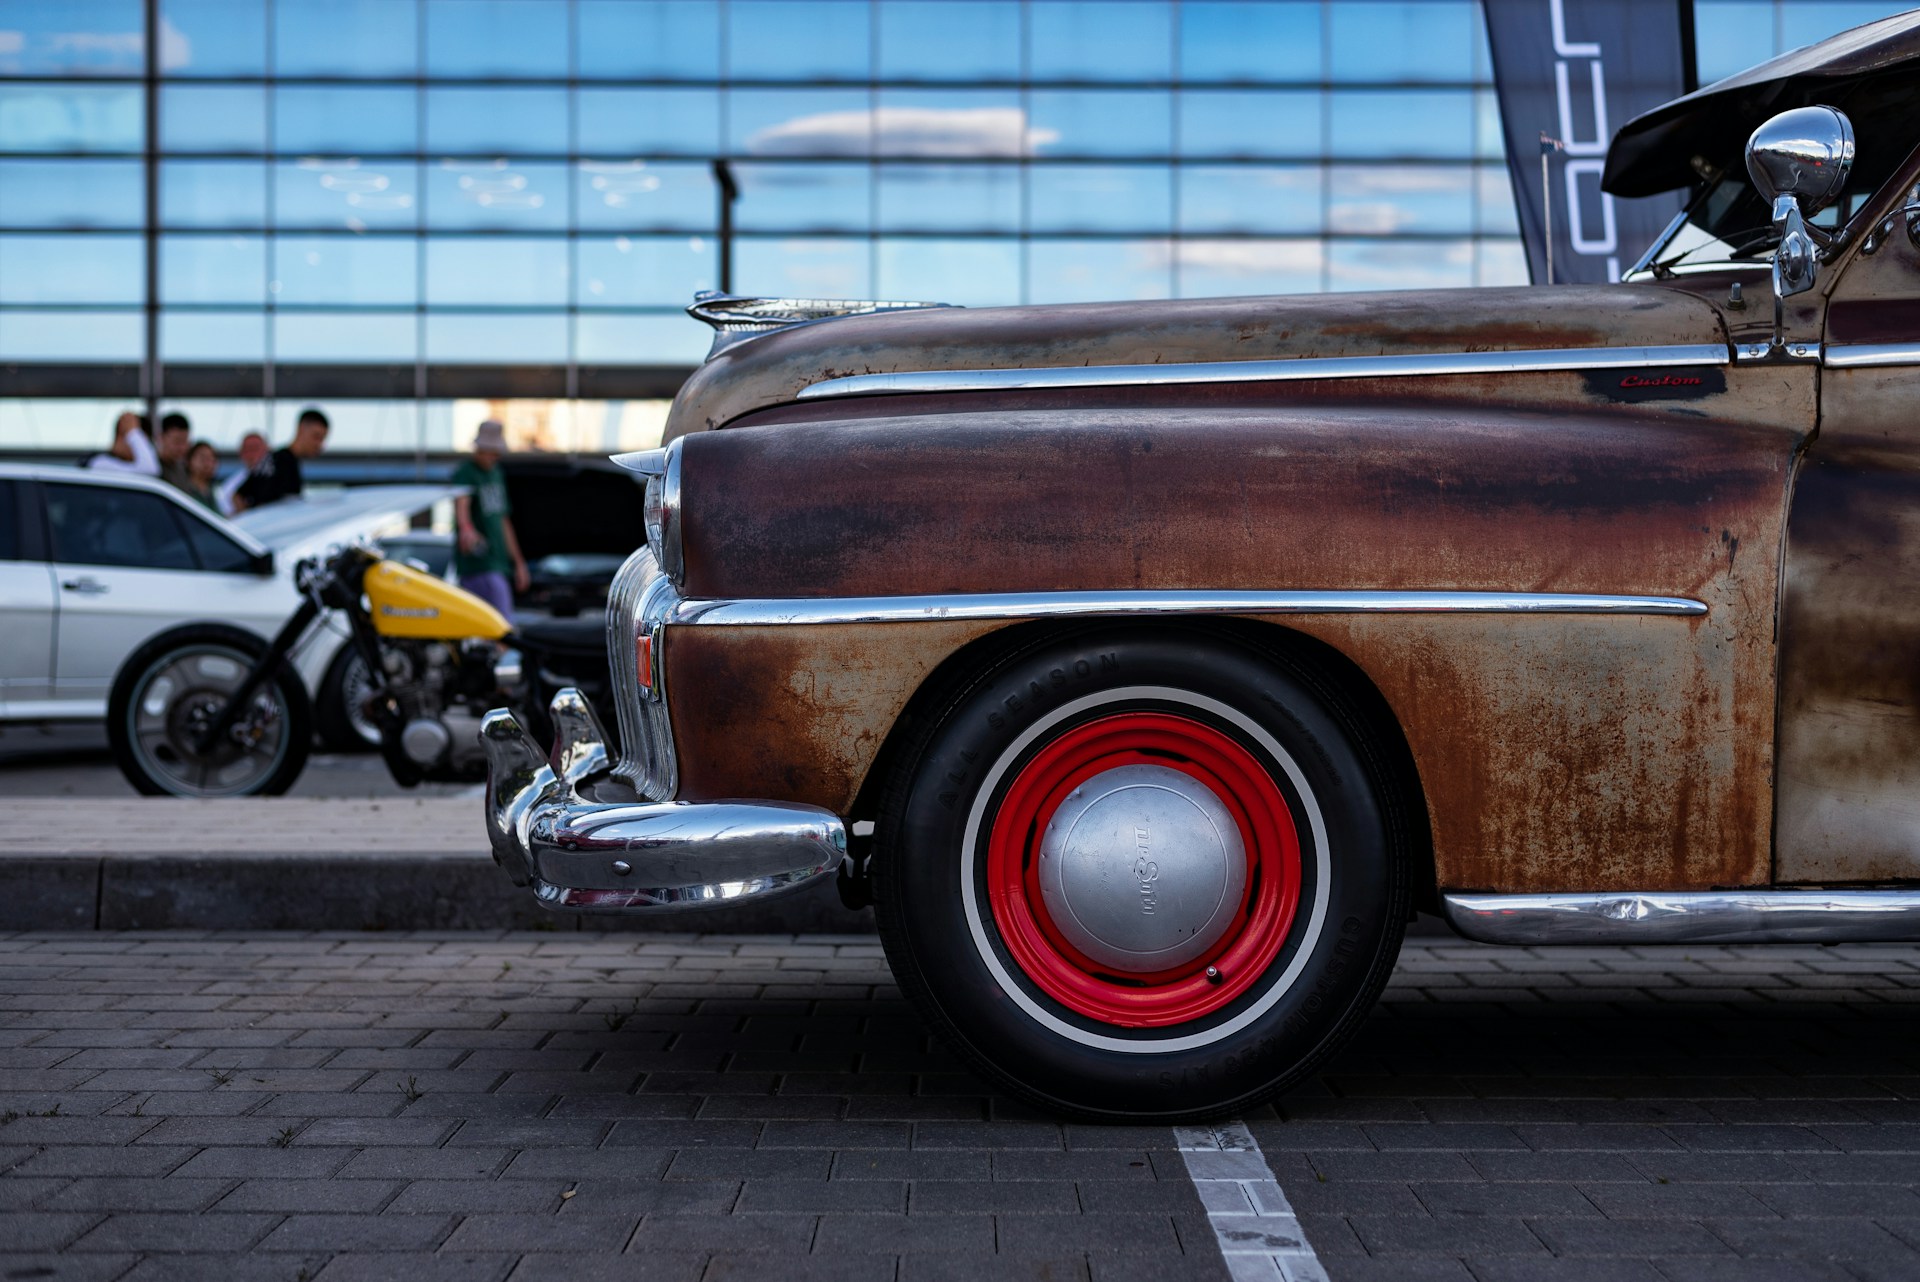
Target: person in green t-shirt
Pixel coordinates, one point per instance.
(488, 549)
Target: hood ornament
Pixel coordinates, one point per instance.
(738, 317)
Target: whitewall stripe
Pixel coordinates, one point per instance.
(1259, 1235)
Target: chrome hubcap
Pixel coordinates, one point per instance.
(1142, 868)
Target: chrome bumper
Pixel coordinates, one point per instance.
(557, 824)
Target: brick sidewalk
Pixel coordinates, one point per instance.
(573, 1106)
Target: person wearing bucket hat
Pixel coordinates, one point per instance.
(488, 550)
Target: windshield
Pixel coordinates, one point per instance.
(1729, 225)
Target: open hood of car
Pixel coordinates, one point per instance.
(294, 527)
(1853, 71)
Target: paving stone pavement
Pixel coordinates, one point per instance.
(332, 1107)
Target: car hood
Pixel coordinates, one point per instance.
(1658, 151)
(773, 368)
(298, 527)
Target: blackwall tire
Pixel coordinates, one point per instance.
(340, 730)
(155, 762)
(1055, 884)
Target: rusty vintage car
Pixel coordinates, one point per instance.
(1178, 652)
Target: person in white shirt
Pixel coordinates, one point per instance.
(253, 451)
(132, 451)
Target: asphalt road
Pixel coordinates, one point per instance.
(72, 760)
(533, 1106)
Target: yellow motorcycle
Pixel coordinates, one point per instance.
(214, 711)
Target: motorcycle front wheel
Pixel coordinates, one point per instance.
(174, 686)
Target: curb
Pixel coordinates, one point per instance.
(340, 891)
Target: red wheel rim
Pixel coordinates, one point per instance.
(1259, 926)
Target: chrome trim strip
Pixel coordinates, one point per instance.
(1871, 355)
(1689, 917)
(1041, 605)
(639, 600)
(1267, 371)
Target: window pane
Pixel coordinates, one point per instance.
(805, 198)
(1501, 262)
(970, 273)
(796, 267)
(213, 193)
(798, 39)
(962, 40)
(72, 269)
(354, 121)
(649, 122)
(213, 336)
(215, 551)
(635, 271)
(1239, 268)
(799, 122)
(949, 197)
(48, 117)
(1250, 198)
(53, 335)
(1126, 198)
(347, 193)
(1386, 264)
(71, 193)
(497, 122)
(213, 269)
(72, 38)
(637, 194)
(213, 118)
(1731, 36)
(110, 525)
(1102, 40)
(497, 271)
(213, 37)
(1243, 40)
(1417, 123)
(608, 338)
(483, 195)
(1096, 122)
(1079, 271)
(1496, 202)
(364, 270)
(951, 124)
(1397, 41)
(475, 38)
(371, 38)
(1250, 122)
(1802, 22)
(345, 336)
(523, 339)
(1380, 200)
(648, 39)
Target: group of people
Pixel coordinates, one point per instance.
(264, 476)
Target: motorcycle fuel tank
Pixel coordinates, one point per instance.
(404, 602)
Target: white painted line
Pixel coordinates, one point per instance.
(1259, 1235)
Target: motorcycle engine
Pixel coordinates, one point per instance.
(441, 693)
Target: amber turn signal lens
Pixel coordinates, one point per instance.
(643, 650)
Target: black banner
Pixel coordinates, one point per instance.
(1569, 74)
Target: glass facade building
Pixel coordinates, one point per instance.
(407, 209)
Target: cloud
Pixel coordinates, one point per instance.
(1239, 257)
(939, 132)
(1367, 217)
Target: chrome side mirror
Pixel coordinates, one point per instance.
(1799, 162)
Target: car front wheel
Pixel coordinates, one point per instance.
(1151, 873)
